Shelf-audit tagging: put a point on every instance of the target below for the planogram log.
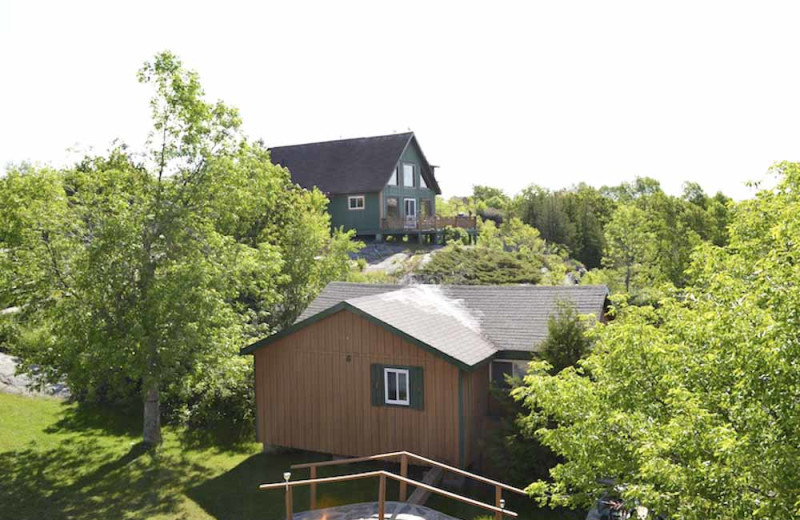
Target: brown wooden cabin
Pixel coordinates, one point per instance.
(373, 368)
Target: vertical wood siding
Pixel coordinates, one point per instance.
(313, 393)
(476, 393)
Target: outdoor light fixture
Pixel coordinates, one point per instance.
(286, 476)
(502, 503)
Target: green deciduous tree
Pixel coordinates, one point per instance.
(146, 276)
(630, 247)
(629, 191)
(691, 405)
(662, 230)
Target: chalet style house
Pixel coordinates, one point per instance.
(377, 186)
(371, 368)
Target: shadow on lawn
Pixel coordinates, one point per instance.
(95, 469)
(218, 437)
(54, 484)
(85, 418)
(89, 465)
(234, 495)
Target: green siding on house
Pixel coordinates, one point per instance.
(411, 155)
(365, 221)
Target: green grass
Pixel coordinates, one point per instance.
(62, 461)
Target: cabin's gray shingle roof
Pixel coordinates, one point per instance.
(337, 292)
(425, 313)
(507, 318)
(361, 165)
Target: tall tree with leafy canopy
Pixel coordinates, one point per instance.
(691, 405)
(630, 247)
(147, 276)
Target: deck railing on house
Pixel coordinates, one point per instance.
(382, 476)
(404, 457)
(428, 223)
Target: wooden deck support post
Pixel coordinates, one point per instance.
(498, 500)
(289, 501)
(313, 490)
(381, 496)
(403, 473)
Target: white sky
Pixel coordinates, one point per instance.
(499, 93)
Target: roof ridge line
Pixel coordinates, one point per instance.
(343, 139)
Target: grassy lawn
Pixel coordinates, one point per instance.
(61, 461)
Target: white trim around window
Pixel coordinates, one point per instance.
(396, 386)
(410, 210)
(355, 202)
(408, 175)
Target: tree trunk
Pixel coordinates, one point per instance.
(628, 278)
(152, 415)
(151, 432)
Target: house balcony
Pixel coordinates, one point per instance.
(427, 224)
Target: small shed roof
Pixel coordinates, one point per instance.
(466, 324)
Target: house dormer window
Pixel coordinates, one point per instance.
(393, 178)
(396, 387)
(355, 202)
(408, 175)
(422, 183)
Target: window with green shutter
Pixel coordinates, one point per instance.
(392, 385)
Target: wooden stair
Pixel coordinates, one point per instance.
(420, 495)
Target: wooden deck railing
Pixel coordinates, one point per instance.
(428, 223)
(404, 458)
(382, 476)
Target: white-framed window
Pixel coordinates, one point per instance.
(355, 202)
(393, 178)
(396, 386)
(422, 183)
(408, 174)
(410, 207)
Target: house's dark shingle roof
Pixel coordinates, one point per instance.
(360, 165)
(506, 318)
